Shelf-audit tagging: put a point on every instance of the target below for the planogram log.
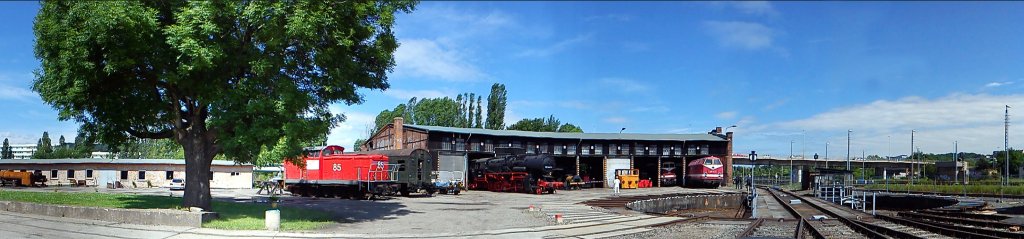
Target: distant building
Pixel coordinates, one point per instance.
(23, 151)
(131, 173)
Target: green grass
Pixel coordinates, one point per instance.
(951, 189)
(233, 216)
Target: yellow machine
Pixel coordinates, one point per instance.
(26, 179)
(628, 177)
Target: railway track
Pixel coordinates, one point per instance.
(833, 227)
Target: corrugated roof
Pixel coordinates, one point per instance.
(110, 161)
(577, 136)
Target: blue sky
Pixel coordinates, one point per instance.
(783, 72)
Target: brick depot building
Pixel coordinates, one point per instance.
(131, 173)
(595, 155)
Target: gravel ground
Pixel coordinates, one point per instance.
(705, 229)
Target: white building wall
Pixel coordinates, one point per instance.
(23, 151)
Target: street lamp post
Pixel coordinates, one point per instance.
(791, 160)
(826, 153)
(753, 188)
(848, 149)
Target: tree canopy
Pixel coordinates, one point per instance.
(236, 78)
(551, 124)
(496, 102)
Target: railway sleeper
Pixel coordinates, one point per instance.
(942, 229)
(960, 220)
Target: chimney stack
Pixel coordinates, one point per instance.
(718, 130)
(399, 133)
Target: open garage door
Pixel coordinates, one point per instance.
(612, 165)
(452, 163)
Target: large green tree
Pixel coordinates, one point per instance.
(496, 103)
(217, 77)
(6, 152)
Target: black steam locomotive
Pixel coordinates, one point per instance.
(527, 173)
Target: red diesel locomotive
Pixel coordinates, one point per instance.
(327, 172)
(706, 171)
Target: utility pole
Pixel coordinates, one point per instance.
(912, 171)
(791, 160)
(863, 166)
(1006, 145)
(956, 162)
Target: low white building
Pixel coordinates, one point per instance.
(132, 173)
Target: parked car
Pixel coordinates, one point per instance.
(176, 184)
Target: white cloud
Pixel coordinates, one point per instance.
(760, 8)
(616, 120)
(726, 115)
(420, 94)
(776, 104)
(356, 126)
(625, 85)
(555, 48)
(15, 138)
(8, 92)
(998, 84)
(427, 58)
(976, 121)
(743, 35)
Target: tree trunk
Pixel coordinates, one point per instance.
(199, 153)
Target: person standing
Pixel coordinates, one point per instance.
(615, 185)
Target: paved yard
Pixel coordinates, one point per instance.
(473, 213)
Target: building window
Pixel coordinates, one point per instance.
(39, 172)
(88, 173)
(598, 149)
(571, 149)
(142, 175)
(71, 174)
(53, 174)
(124, 175)
(211, 175)
(170, 174)
(235, 173)
(531, 147)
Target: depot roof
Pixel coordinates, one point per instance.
(111, 161)
(576, 136)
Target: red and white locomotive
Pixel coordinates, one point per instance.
(327, 172)
(706, 171)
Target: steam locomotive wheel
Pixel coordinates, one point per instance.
(539, 191)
